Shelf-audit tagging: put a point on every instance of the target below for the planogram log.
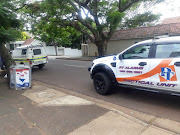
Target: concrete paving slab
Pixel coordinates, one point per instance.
(42, 96)
(167, 124)
(6, 108)
(14, 124)
(156, 131)
(139, 115)
(67, 101)
(110, 124)
(36, 88)
(62, 120)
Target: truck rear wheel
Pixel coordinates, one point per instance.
(41, 66)
(102, 83)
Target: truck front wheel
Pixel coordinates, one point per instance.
(102, 83)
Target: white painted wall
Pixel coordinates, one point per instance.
(63, 51)
(72, 52)
(50, 50)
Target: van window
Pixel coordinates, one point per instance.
(168, 51)
(24, 51)
(37, 51)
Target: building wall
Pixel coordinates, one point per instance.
(63, 51)
(113, 47)
(50, 50)
(92, 50)
(72, 52)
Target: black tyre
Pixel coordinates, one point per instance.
(41, 66)
(102, 83)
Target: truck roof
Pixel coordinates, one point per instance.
(29, 46)
(174, 39)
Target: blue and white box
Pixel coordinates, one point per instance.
(20, 77)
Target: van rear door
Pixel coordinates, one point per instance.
(38, 56)
(20, 56)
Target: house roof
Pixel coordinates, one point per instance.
(171, 20)
(29, 41)
(147, 32)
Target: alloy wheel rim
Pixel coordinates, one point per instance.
(100, 83)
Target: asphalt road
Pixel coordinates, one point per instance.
(73, 75)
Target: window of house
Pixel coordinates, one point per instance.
(37, 51)
(139, 52)
(168, 51)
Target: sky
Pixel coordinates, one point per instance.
(171, 8)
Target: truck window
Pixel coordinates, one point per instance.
(168, 51)
(139, 52)
(24, 51)
(37, 51)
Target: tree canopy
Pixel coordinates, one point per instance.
(97, 19)
(52, 34)
(139, 20)
(9, 27)
(8, 22)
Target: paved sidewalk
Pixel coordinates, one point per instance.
(49, 110)
(73, 58)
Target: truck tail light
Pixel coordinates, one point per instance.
(30, 62)
(46, 57)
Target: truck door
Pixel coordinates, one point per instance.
(37, 56)
(166, 65)
(134, 66)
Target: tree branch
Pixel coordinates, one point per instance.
(95, 16)
(75, 25)
(78, 28)
(90, 11)
(80, 19)
(123, 8)
(86, 2)
(23, 5)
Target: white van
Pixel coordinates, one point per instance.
(30, 55)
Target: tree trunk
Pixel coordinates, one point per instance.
(102, 48)
(7, 59)
(56, 49)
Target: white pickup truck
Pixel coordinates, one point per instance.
(148, 65)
